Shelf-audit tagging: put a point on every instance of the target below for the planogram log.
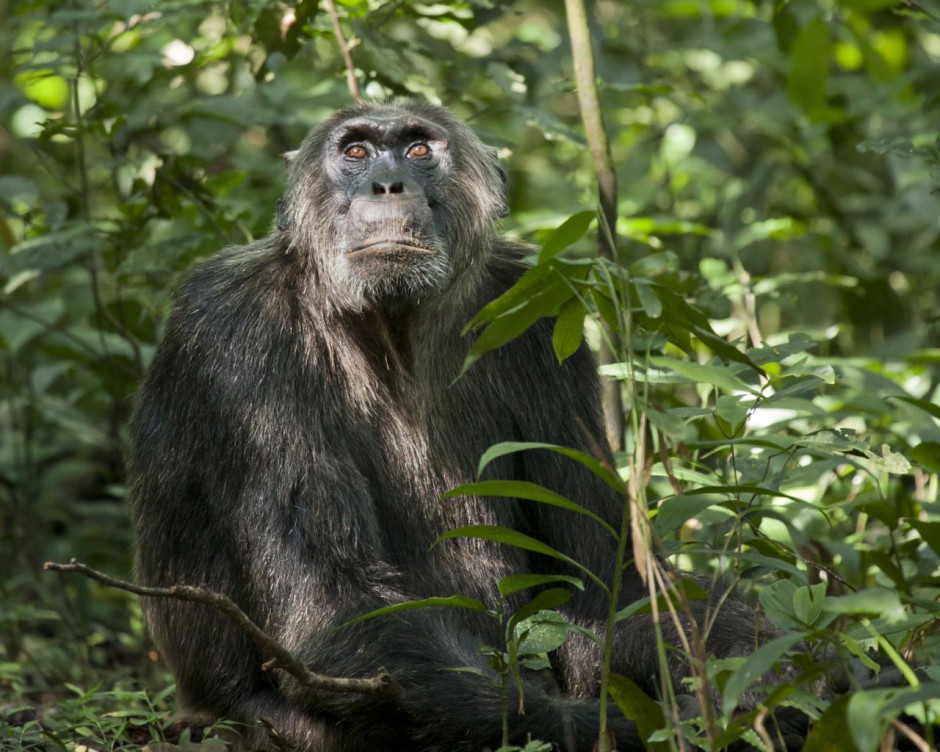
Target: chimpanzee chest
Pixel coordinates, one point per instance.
(412, 471)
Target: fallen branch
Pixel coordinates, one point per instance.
(282, 659)
(920, 744)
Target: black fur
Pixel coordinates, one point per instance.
(300, 422)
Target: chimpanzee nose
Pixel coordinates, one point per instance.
(389, 183)
(387, 187)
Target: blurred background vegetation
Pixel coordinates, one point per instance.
(779, 169)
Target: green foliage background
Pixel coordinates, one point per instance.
(779, 170)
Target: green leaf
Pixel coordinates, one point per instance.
(808, 603)
(650, 303)
(514, 583)
(744, 490)
(856, 649)
(869, 6)
(793, 606)
(19, 328)
(541, 632)
(906, 698)
(929, 532)
(532, 283)
(809, 67)
(888, 564)
(753, 668)
(599, 470)
(878, 601)
(825, 373)
(732, 412)
(531, 298)
(609, 311)
(720, 376)
(927, 453)
(927, 407)
(828, 734)
(799, 280)
(684, 589)
(569, 329)
(865, 717)
(521, 489)
(18, 193)
(778, 228)
(842, 441)
(890, 461)
(509, 537)
(551, 125)
(544, 601)
(48, 252)
(473, 671)
(567, 234)
(636, 371)
(674, 512)
(902, 148)
(454, 601)
(501, 331)
(638, 707)
(645, 228)
(687, 319)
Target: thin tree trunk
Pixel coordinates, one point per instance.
(582, 55)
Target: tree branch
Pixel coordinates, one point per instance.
(281, 658)
(582, 55)
(345, 48)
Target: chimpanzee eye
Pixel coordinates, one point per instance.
(356, 151)
(418, 150)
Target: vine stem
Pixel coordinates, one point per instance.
(614, 604)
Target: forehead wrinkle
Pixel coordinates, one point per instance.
(388, 130)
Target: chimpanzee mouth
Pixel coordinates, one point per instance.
(389, 247)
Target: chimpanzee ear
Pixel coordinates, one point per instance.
(290, 156)
(283, 223)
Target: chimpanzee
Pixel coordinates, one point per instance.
(301, 420)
